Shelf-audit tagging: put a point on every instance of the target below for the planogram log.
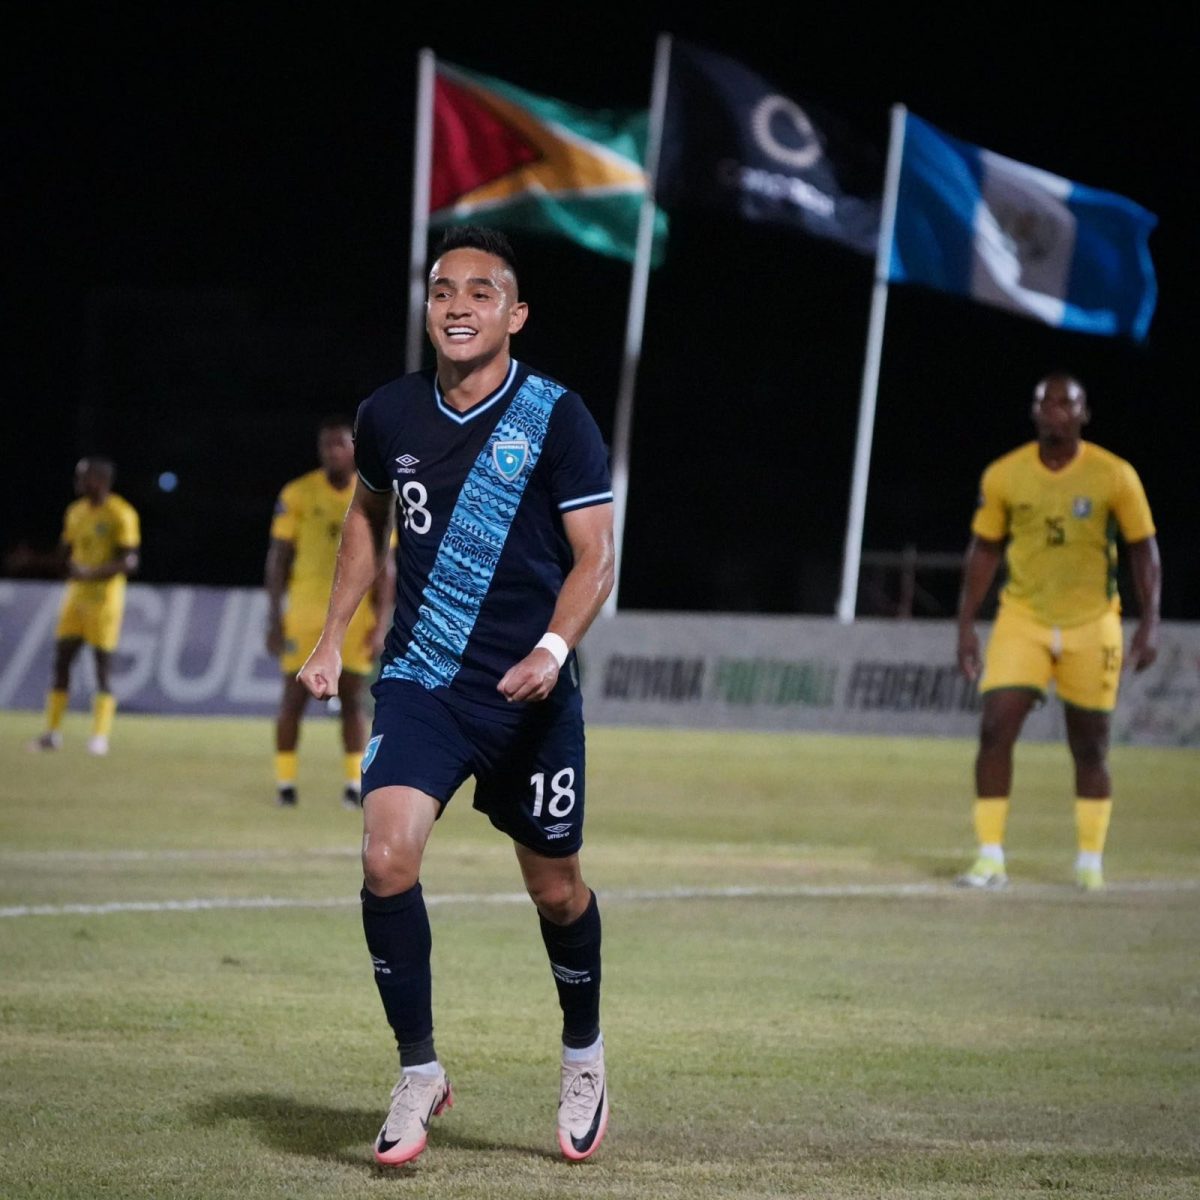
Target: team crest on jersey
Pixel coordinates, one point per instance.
(510, 457)
(372, 749)
(1081, 506)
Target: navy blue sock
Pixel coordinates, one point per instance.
(398, 937)
(574, 952)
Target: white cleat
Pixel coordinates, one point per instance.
(582, 1107)
(984, 873)
(97, 744)
(416, 1100)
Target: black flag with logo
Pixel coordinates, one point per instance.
(733, 141)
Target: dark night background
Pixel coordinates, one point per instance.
(206, 247)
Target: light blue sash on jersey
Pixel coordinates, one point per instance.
(470, 550)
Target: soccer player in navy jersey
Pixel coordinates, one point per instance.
(499, 480)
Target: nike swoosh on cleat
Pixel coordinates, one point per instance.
(429, 1115)
(581, 1144)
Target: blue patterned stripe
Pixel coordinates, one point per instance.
(471, 546)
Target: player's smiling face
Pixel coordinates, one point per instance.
(472, 307)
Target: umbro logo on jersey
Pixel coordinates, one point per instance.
(558, 830)
(406, 463)
(510, 457)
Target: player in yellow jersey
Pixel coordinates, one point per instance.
(299, 571)
(1058, 502)
(100, 541)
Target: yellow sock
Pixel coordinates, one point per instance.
(104, 708)
(56, 706)
(352, 766)
(991, 816)
(1091, 823)
(285, 767)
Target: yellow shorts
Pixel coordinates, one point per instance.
(302, 627)
(1084, 661)
(97, 622)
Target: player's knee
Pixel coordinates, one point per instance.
(1089, 752)
(996, 734)
(387, 871)
(559, 899)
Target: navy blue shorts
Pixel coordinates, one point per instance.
(528, 773)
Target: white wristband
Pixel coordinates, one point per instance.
(556, 645)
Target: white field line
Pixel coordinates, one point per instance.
(18, 858)
(881, 891)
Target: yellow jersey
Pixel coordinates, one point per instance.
(309, 515)
(1061, 528)
(95, 534)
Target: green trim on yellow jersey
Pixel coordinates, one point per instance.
(1061, 556)
(309, 515)
(95, 533)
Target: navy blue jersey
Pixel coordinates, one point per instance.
(480, 500)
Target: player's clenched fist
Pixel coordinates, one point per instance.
(321, 671)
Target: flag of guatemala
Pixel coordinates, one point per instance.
(981, 225)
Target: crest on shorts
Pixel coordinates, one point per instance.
(510, 457)
(1081, 506)
(369, 753)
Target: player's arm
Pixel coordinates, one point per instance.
(586, 587)
(360, 555)
(383, 594)
(980, 565)
(1146, 567)
(280, 556)
(125, 561)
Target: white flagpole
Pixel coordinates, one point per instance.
(422, 168)
(636, 315)
(852, 557)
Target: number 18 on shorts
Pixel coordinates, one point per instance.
(528, 768)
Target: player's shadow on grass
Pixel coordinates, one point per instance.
(340, 1135)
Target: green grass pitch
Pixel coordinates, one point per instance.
(797, 1003)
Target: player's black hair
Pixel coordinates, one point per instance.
(101, 463)
(337, 420)
(479, 237)
(1068, 377)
